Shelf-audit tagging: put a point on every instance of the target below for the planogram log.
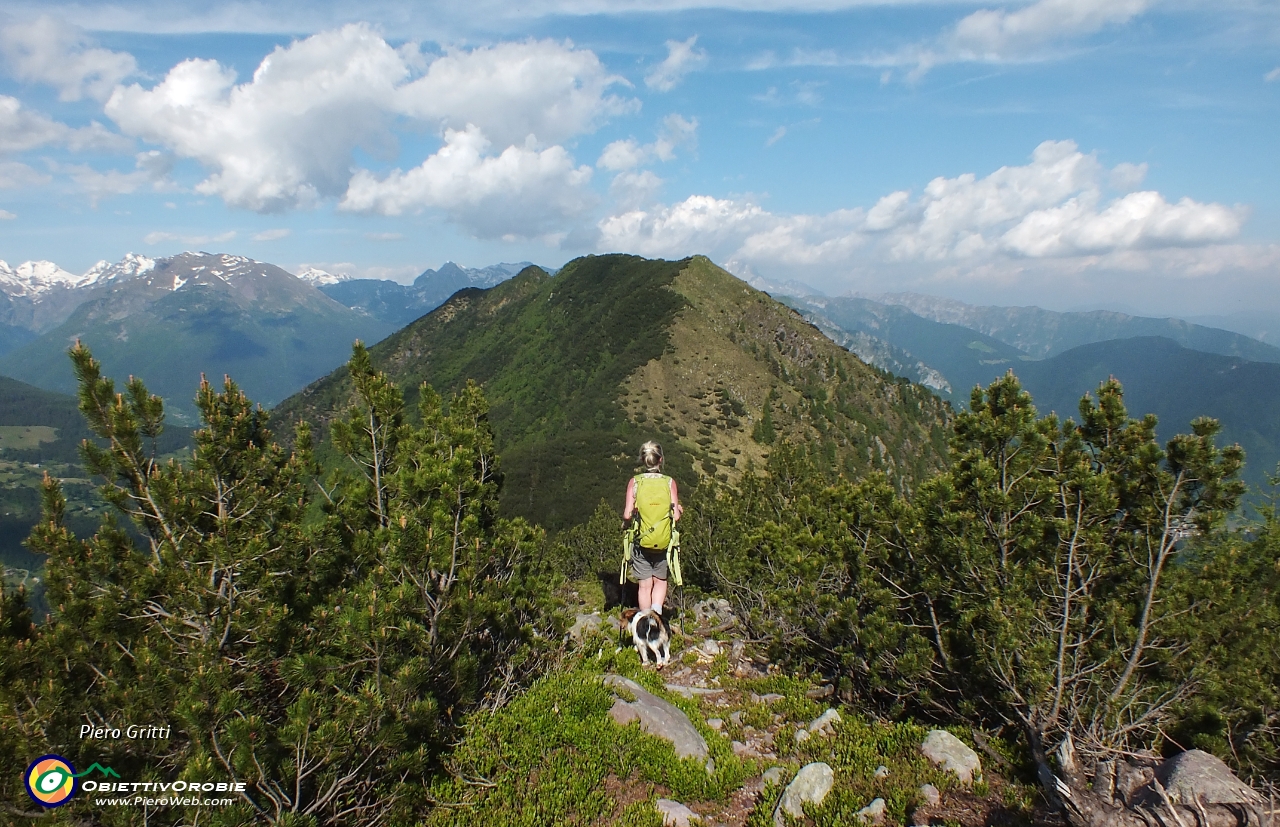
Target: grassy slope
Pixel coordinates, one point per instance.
(1177, 385)
(614, 350)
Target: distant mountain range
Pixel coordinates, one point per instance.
(1042, 333)
(171, 320)
(1170, 367)
(398, 304)
(1175, 383)
(583, 367)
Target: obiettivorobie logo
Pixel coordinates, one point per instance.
(51, 779)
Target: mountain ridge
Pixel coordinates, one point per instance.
(582, 367)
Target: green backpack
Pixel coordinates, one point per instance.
(654, 506)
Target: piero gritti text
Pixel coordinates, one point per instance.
(132, 732)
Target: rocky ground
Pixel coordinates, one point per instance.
(715, 668)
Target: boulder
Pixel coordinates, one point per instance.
(873, 813)
(675, 814)
(660, 718)
(825, 723)
(952, 755)
(623, 713)
(1196, 775)
(713, 611)
(774, 775)
(882, 771)
(584, 625)
(929, 795)
(810, 786)
(802, 735)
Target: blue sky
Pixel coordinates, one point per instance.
(1067, 153)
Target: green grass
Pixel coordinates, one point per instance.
(21, 437)
(552, 755)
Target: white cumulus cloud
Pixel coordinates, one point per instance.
(5, 215)
(677, 131)
(1062, 204)
(513, 90)
(522, 192)
(47, 50)
(682, 58)
(286, 137)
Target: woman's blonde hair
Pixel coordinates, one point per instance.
(651, 455)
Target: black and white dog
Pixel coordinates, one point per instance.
(651, 635)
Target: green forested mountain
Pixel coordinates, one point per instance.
(582, 367)
(1177, 385)
(200, 313)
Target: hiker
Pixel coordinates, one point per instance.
(652, 496)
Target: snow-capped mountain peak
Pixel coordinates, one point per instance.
(126, 268)
(31, 278)
(317, 277)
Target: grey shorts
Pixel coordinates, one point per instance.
(646, 563)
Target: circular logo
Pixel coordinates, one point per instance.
(51, 780)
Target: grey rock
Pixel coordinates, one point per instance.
(882, 771)
(1195, 774)
(675, 814)
(737, 649)
(769, 698)
(710, 647)
(623, 713)
(929, 795)
(743, 750)
(774, 775)
(712, 611)
(952, 755)
(584, 625)
(810, 786)
(802, 735)
(819, 692)
(659, 718)
(691, 691)
(715, 723)
(825, 723)
(736, 717)
(873, 813)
